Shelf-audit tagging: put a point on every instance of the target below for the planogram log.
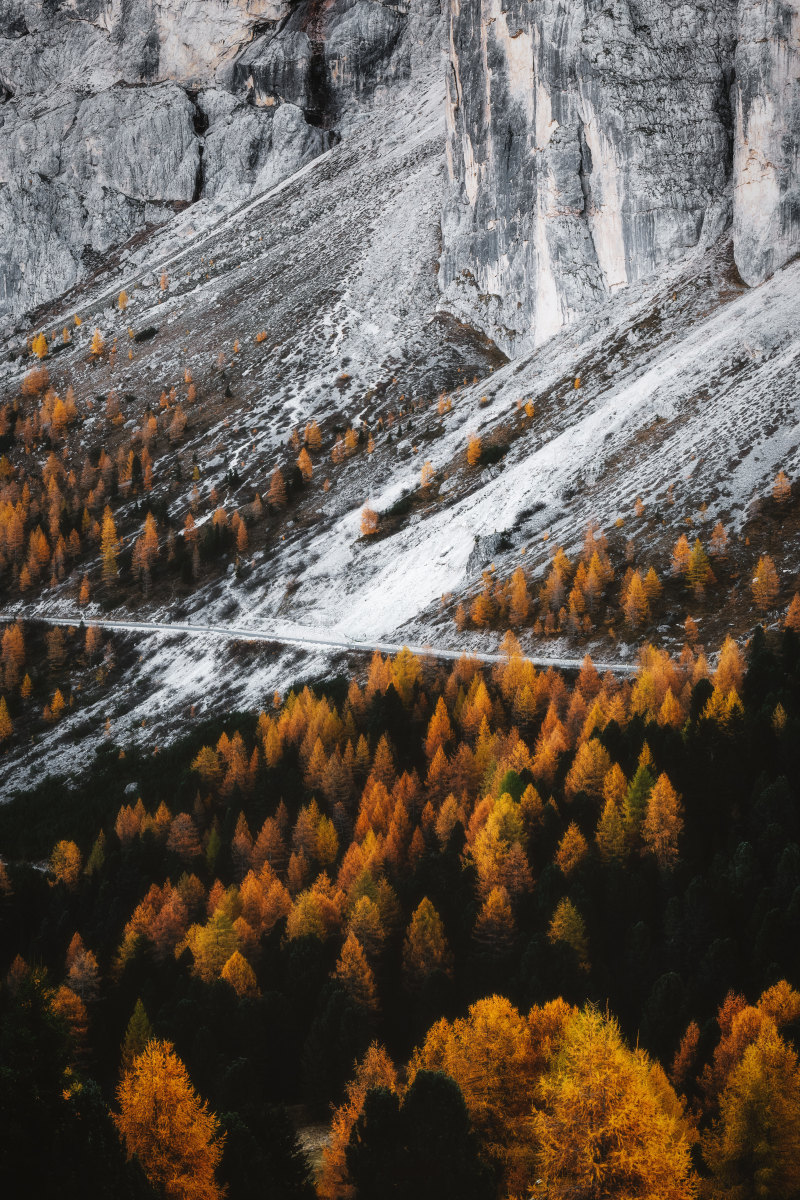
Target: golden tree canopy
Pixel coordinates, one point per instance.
(165, 1124)
(609, 1123)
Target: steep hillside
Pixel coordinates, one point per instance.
(313, 312)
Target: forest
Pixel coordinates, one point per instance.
(507, 932)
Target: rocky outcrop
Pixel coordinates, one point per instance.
(249, 149)
(113, 115)
(766, 167)
(85, 176)
(332, 58)
(590, 144)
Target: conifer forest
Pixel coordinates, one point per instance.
(399, 600)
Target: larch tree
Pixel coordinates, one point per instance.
(240, 975)
(425, 948)
(369, 521)
(494, 926)
(355, 975)
(567, 926)
(754, 1148)
(212, 945)
(183, 838)
(663, 824)
(792, 620)
(491, 1055)
(374, 1070)
(765, 584)
(366, 924)
(681, 554)
(65, 864)
(609, 1124)
(610, 833)
(636, 606)
(6, 724)
(699, 573)
(729, 674)
(163, 1123)
(718, 545)
(572, 850)
(276, 495)
(98, 344)
(781, 488)
(589, 769)
(440, 731)
(519, 604)
(306, 467)
(474, 450)
(109, 546)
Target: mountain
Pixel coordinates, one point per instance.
(399, 599)
(410, 224)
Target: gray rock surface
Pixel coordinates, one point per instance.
(766, 166)
(115, 116)
(590, 144)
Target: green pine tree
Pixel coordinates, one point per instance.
(137, 1035)
(97, 855)
(635, 807)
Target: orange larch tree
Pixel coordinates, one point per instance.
(170, 1130)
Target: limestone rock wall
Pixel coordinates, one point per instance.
(766, 161)
(116, 113)
(590, 142)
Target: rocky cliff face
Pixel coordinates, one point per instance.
(113, 115)
(766, 164)
(591, 142)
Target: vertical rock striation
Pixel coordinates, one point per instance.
(588, 144)
(766, 167)
(113, 116)
(591, 142)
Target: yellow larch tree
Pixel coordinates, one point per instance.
(240, 975)
(6, 725)
(754, 1147)
(765, 584)
(781, 488)
(65, 864)
(493, 1057)
(355, 975)
(277, 489)
(425, 948)
(663, 823)
(792, 620)
(109, 546)
(572, 850)
(163, 1123)
(374, 1070)
(566, 926)
(609, 1123)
